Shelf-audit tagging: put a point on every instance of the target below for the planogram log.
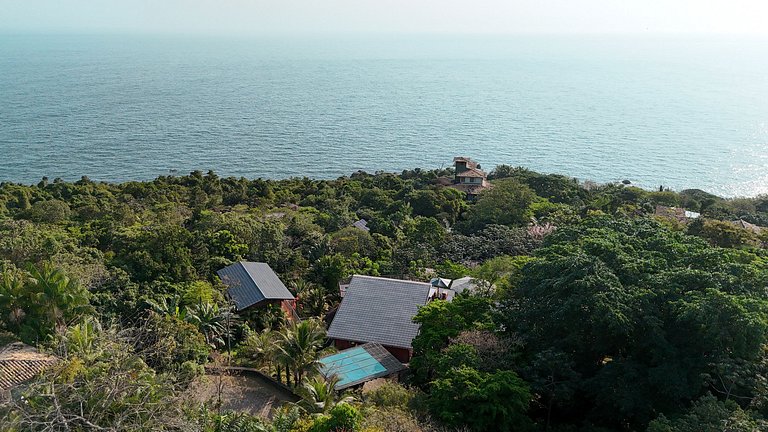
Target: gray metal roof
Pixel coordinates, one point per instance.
(379, 310)
(250, 283)
(361, 224)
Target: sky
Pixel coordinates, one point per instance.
(243, 17)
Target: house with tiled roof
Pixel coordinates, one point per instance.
(468, 177)
(251, 284)
(20, 363)
(379, 310)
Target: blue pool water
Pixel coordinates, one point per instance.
(351, 365)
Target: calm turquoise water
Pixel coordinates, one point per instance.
(686, 112)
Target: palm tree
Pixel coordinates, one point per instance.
(82, 339)
(170, 306)
(259, 348)
(283, 354)
(311, 298)
(299, 346)
(272, 317)
(212, 322)
(313, 303)
(319, 395)
(58, 297)
(300, 286)
(13, 297)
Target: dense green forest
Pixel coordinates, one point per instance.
(593, 314)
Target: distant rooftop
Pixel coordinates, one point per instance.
(462, 284)
(471, 172)
(741, 223)
(379, 310)
(360, 364)
(456, 285)
(250, 283)
(678, 213)
(361, 224)
(20, 363)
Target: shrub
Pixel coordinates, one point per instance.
(391, 395)
(342, 418)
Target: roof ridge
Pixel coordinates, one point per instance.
(391, 279)
(250, 275)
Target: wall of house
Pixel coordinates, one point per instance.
(343, 344)
(460, 167)
(402, 354)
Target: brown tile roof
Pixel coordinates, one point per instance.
(19, 363)
(470, 163)
(471, 172)
(462, 159)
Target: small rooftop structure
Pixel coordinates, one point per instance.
(361, 224)
(381, 310)
(360, 364)
(19, 363)
(463, 284)
(465, 162)
(456, 285)
(253, 283)
(468, 177)
(440, 282)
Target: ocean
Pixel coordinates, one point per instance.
(682, 112)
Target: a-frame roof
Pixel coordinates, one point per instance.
(250, 283)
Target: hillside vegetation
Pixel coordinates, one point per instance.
(592, 313)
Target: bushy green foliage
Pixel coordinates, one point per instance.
(342, 418)
(709, 414)
(723, 234)
(482, 401)
(613, 321)
(391, 395)
(97, 384)
(507, 203)
(440, 321)
(615, 315)
(165, 340)
(37, 301)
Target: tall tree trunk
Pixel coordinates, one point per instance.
(287, 375)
